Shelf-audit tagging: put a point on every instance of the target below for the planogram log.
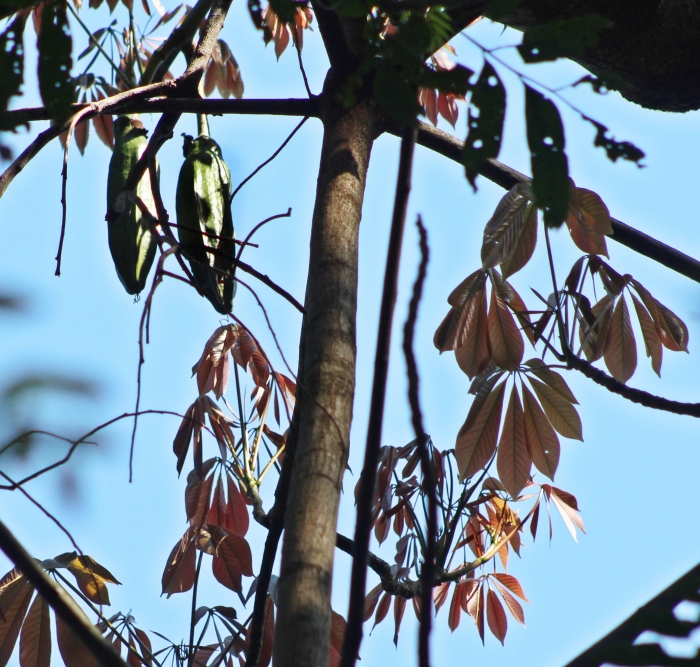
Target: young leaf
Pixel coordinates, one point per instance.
(179, 573)
(55, 45)
(474, 354)
(503, 231)
(559, 411)
(72, 649)
(232, 558)
(371, 600)
(485, 125)
(652, 341)
(456, 606)
(507, 346)
(399, 609)
(513, 460)
(217, 510)
(475, 608)
(542, 441)
(476, 440)
(525, 246)
(620, 345)
(89, 575)
(454, 329)
(588, 221)
(382, 609)
(35, 640)
(551, 378)
(593, 327)
(672, 330)
(237, 519)
(14, 602)
(568, 513)
(550, 170)
(498, 622)
(197, 495)
(514, 607)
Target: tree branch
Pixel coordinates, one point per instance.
(427, 574)
(62, 603)
(449, 146)
(365, 497)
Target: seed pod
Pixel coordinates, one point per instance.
(130, 240)
(205, 225)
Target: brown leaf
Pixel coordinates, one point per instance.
(247, 354)
(474, 355)
(496, 615)
(197, 495)
(525, 247)
(232, 558)
(551, 378)
(217, 511)
(237, 519)
(513, 460)
(145, 642)
(179, 573)
(454, 330)
(382, 609)
(371, 600)
(190, 428)
(72, 650)
(103, 126)
(593, 327)
(507, 345)
(504, 230)
(477, 443)
(595, 211)
(89, 575)
(559, 411)
(399, 609)
(620, 345)
(517, 305)
(542, 441)
(35, 640)
(652, 341)
(671, 329)
(15, 597)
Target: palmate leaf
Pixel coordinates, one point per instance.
(35, 639)
(652, 341)
(542, 441)
(561, 414)
(507, 345)
(485, 128)
(513, 461)
(476, 440)
(620, 345)
(550, 169)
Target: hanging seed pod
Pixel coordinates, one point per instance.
(205, 225)
(130, 240)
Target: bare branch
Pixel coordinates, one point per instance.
(363, 526)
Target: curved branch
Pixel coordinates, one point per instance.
(62, 603)
(449, 146)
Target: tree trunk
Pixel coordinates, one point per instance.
(327, 385)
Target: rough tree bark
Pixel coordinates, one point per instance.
(328, 377)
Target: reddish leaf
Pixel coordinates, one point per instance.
(35, 640)
(476, 440)
(498, 622)
(517, 305)
(652, 341)
(82, 132)
(447, 106)
(542, 441)
(595, 211)
(559, 411)
(551, 378)
(513, 460)
(103, 126)
(593, 330)
(72, 650)
(190, 427)
(587, 221)
(474, 354)
(399, 608)
(511, 583)
(268, 634)
(507, 345)
(535, 519)
(144, 647)
(237, 519)
(525, 247)
(15, 597)
(514, 607)
(440, 595)
(428, 100)
(620, 345)
(197, 494)
(475, 608)
(371, 601)
(674, 331)
(179, 573)
(456, 606)
(457, 326)
(232, 558)
(568, 508)
(382, 609)
(217, 511)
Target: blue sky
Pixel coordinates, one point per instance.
(635, 476)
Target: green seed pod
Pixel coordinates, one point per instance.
(130, 240)
(204, 220)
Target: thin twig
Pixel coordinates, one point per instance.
(427, 574)
(245, 242)
(363, 525)
(303, 71)
(270, 159)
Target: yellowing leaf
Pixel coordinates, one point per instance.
(89, 575)
(559, 411)
(513, 460)
(507, 345)
(620, 345)
(542, 441)
(476, 440)
(652, 341)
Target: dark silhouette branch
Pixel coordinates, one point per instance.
(449, 146)
(62, 603)
(427, 574)
(365, 498)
